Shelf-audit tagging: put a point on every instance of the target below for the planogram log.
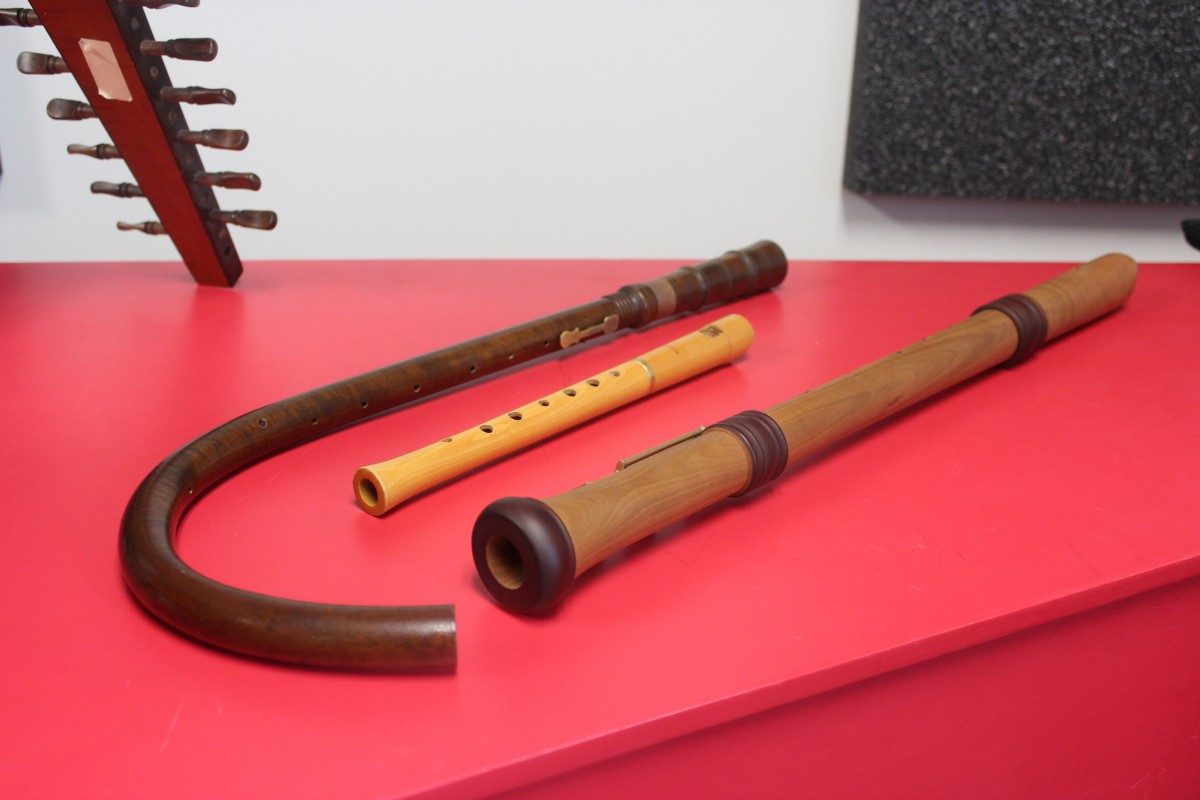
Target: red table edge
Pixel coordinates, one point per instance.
(672, 726)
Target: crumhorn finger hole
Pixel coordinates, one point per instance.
(504, 562)
(368, 492)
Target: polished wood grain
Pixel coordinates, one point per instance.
(367, 637)
(841, 407)
(603, 516)
(378, 488)
(607, 515)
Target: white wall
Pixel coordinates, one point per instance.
(527, 128)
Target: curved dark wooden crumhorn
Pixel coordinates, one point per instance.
(117, 189)
(220, 138)
(371, 637)
(20, 17)
(229, 180)
(100, 151)
(151, 227)
(59, 108)
(262, 220)
(182, 49)
(196, 95)
(40, 64)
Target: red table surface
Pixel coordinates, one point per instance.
(1020, 497)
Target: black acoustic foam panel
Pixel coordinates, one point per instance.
(1040, 99)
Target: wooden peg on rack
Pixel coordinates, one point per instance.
(101, 151)
(196, 95)
(183, 49)
(117, 189)
(220, 138)
(150, 226)
(40, 64)
(20, 17)
(262, 220)
(58, 108)
(229, 180)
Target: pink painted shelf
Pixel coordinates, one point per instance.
(1060, 493)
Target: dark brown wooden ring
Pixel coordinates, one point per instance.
(701, 283)
(743, 276)
(624, 305)
(523, 554)
(636, 305)
(769, 265)
(719, 277)
(1029, 319)
(764, 442)
(649, 303)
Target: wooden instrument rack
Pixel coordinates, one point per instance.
(145, 128)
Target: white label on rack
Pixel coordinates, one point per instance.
(106, 72)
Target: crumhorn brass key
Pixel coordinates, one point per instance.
(100, 151)
(229, 180)
(19, 17)
(117, 189)
(183, 49)
(220, 138)
(40, 64)
(196, 95)
(58, 108)
(262, 220)
(150, 226)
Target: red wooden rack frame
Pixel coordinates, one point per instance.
(144, 129)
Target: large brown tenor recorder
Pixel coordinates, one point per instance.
(528, 552)
(372, 637)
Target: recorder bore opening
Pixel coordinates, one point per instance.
(368, 492)
(504, 562)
